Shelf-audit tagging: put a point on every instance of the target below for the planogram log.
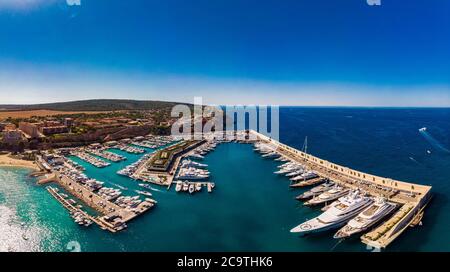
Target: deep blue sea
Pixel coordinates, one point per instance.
(251, 208)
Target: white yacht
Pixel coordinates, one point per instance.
(337, 214)
(305, 176)
(367, 218)
(185, 186)
(330, 195)
(316, 190)
(179, 186)
(189, 163)
(191, 188)
(196, 156)
(143, 193)
(297, 172)
(287, 169)
(282, 159)
(271, 155)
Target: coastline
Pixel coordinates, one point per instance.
(7, 161)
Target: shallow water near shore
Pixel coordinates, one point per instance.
(251, 209)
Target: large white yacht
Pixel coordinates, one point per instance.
(305, 176)
(367, 218)
(330, 195)
(337, 214)
(189, 163)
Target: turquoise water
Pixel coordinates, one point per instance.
(251, 209)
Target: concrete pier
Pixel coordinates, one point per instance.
(105, 207)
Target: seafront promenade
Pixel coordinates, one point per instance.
(413, 197)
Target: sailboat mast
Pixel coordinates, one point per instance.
(306, 144)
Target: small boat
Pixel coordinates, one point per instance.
(198, 186)
(196, 156)
(143, 193)
(185, 186)
(271, 155)
(191, 188)
(305, 176)
(295, 173)
(423, 129)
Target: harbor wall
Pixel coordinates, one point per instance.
(421, 190)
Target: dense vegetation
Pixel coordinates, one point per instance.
(95, 105)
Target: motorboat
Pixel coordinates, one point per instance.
(305, 176)
(189, 163)
(330, 195)
(295, 173)
(367, 218)
(196, 156)
(179, 186)
(339, 212)
(185, 186)
(191, 188)
(287, 170)
(143, 193)
(271, 155)
(316, 190)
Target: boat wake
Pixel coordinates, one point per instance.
(414, 160)
(435, 143)
(338, 242)
(119, 186)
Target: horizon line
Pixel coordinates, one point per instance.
(236, 104)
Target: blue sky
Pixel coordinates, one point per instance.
(316, 52)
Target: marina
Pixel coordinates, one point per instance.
(353, 191)
(106, 155)
(90, 159)
(345, 193)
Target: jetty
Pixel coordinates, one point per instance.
(161, 166)
(412, 197)
(114, 217)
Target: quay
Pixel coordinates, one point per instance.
(72, 209)
(162, 165)
(114, 217)
(413, 198)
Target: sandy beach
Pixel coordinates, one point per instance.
(6, 160)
